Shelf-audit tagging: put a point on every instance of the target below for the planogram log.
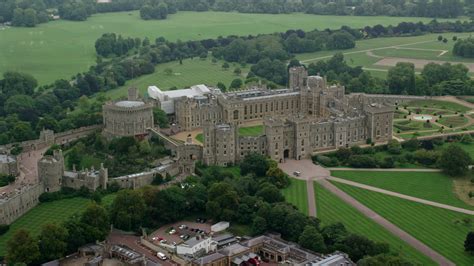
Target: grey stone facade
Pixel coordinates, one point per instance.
(307, 117)
(9, 165)
(132, 117)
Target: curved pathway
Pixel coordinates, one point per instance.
(399, 195)
(384, 169)
(310, 172)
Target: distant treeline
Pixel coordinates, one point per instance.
(28, 13)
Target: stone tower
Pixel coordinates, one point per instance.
(219, 144)
(50, 171)
(103, 176)
(297, 77)
(133, 94)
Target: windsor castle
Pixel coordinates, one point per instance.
(309, 115)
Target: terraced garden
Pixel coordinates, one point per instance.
(425, 185)
(331, 209)
(410, 125)
(453, 121)
(49, 212)
(442, 230)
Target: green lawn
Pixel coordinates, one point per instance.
(251, 131)
(191, 72)
(297, 194)
(60, 49)
(331, 209)
(442, 230)
(49, 212)
(425, 185)
(407, 125)
(453, 121)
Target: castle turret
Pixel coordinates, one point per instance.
(297, 78)
(219, 144)
(50, 171)
(103, 176)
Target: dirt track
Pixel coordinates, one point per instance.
(419, 63)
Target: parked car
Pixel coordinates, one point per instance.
(173, 231)
(163, 241)
(296, 173)
(183, 226)
(161, 256)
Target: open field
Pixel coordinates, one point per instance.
(191, 72)
(425, 185)
(368, 52)
(442, 230)
(331, 209)
(60, 49)
(297, 194)
(49, 212)
(444, 105)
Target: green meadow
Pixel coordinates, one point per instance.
(60, 49)
(297, 194)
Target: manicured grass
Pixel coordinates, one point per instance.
(252, 131)
(453, 121)
(200, 137)
(407, 125)
(297, 194)
(331, 209)
(49, 212)
(442, 230)
(438, 104)
(425, 185)
(191, 72)
(60, 49)
(108, 199)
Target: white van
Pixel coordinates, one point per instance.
(297, 173)
(161, 256)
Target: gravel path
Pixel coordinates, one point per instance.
(384, 169)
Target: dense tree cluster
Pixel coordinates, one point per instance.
(109, 44)
(155, 11)
(56, 240)
(464, 48)
(77, 10)
(121, 156)
(26, 13)
(427, 153)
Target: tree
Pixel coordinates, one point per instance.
(394, 147)
(440, 38)
(127, 210)
(254, 163)
(454, 161)
(311, 239)
(469, 242)
(160, 118)
(221, 86)
(236, 84)
(401, 78)
(237, 71)
(22, 248)
(340, 40)
(225, 66)
(385, 259)
(359, 246)
(52, 242)
(96, 219)
(270, 193)
(259, 225)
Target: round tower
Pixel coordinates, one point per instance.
(50, 171)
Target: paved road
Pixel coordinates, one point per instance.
(308, 172)
(399, 195)
(438, 258)
(384, 169)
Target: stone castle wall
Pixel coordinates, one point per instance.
(14, 206)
